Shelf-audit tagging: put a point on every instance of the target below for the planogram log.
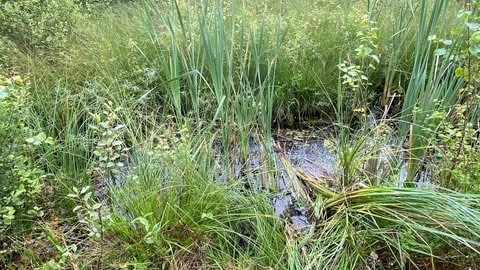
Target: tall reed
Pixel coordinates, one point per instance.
(433, 85)
(397, 24)
(221, 59)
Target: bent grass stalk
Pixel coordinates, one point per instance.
(403, 221)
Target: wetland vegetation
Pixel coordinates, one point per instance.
(162, 134)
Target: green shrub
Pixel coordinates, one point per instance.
(455, 150)
(43, 26)
(20, 177)
(4, 45)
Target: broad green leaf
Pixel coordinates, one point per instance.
(375, 57)
(208, 215)
(432, 38)
(475, 37)
(115, 143)
(473, 26)
(119, 127)
(84, 189)
(475, 50)
(447, 42)
(87, 196)
(439, 52)
(459, 72)
(144, 222)
(42, 136)
(49, 140)
(148, 240)
(3, 92)
(105, 124)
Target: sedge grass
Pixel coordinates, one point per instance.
(404, 222)
(396, 20)
(173, 205)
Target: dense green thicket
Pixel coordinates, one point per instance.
(39, 26)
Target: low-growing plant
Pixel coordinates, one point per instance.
(359, 228)
(356, 93)
(66, 252)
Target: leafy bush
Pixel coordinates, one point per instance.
(456, 151)
(4, 45)
(20, 178)
(39, 25)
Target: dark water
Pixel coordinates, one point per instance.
(305, 150)
(300, 149)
